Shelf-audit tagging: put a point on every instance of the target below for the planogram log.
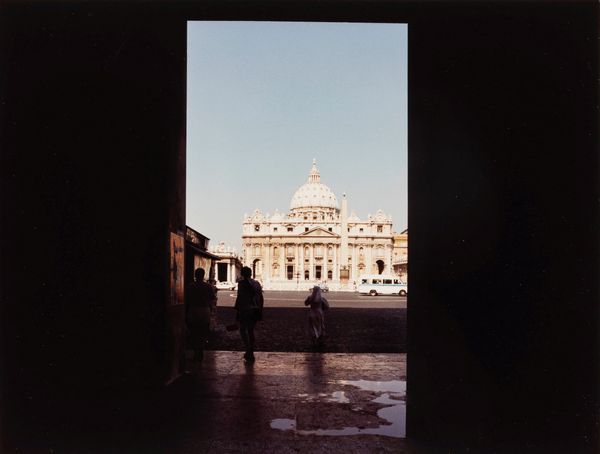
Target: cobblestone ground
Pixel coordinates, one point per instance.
(348, 330)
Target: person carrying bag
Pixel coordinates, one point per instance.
(248, 304)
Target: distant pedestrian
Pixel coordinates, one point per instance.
(248, 304)
(316, 320)
(200, 301)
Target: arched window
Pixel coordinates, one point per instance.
(329, 274)
(257, 250)
(306, 275)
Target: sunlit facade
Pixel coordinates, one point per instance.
(316, 241)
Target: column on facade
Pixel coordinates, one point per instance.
(325, 261)
(336, 271)
(301, 264)
(267, 268)
(296, 260)
(311, 271)
(369, 258)
(229, 279)
(282, 261)
(354, 263)
(388, 257)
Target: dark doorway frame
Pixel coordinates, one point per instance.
(494, 91)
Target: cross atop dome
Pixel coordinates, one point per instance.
(314, 176)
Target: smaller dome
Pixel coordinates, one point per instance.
(353, 217)
(277, 216)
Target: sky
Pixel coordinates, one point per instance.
(265, 98)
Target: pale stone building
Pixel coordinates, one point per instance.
(227, 264)
(400, 259)
(316, 241)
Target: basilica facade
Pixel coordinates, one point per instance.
(316, 241)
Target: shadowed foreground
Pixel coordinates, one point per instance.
(347, 330)
(293, 402)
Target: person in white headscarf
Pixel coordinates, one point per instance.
(316, 320)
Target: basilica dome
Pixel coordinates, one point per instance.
(314, 194)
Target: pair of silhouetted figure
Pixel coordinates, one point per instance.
(201, 301)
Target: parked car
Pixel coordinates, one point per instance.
(226, 285)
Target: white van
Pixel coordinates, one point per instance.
(381, 284)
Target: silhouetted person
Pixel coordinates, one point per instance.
(316, 319)
(200, 300)
(248, 304)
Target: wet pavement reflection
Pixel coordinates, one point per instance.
(395, 414)
(288, 398)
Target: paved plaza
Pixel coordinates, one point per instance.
(294, 402)
(295, 298)
(353, 324)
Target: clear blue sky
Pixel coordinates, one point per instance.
(265, 98)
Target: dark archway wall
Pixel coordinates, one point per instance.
(503, 210)
(93, 181)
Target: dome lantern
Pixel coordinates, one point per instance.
(314, 176)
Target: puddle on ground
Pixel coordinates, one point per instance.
(389, 399)
(336, 396)
(392, 386)
(395, 413)
(283, 424)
